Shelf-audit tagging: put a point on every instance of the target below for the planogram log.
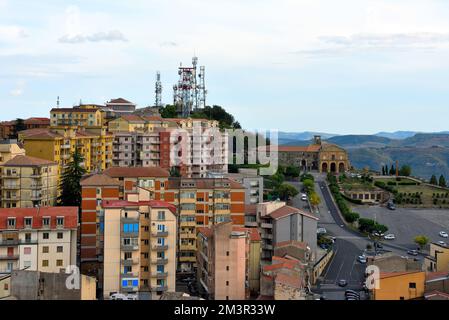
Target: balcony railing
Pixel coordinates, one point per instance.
(9, 257)
(159, 275)
(160, 234)
(160, 247)
(159, 261)
(14, 242)
(160, 288)
(130, 262)
(130, 275)
(130, 247)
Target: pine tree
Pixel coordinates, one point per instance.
(383, 170)
(442, 181)
(433, 180)
(70, 182)
(392, 170)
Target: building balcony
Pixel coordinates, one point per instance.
(187, 259)
(188, 224)
(160, 234)
(160, 247)
(266, 236)
(187, 247)
(129, 247)
(10, 176)
(10, 198)
(130, 262)
(251, 224)
(36, 197)
(159, 289)
(266, 225)
(65, 146)
(9, 257)
(36, 186)
(159, 275)
(130, 275)
(13, 242)
(11, 187)
(65, 156)
(187, 235)
(159, 261)
(130, 219)
(133, 234)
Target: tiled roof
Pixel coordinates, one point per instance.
(436, 293)
(203, 183)
(309, 148)
(84, 110)
(298, 244)
(25, 161)
(207, 232)
(253, 233)
(291, 281)
(40, 121)
(120, 100)
(132, 118)
(281, 263)
(150, 203)
(137, 172)
(437, 275)
(99, 180)
(287, 210)
(40, 133)
(70, 215)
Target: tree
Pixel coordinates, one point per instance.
(421, 240)
(405, 171)
(392, 170)
(292, 171)
(433, 180)
(19, 125)
(386, 170)
(442, 181)
(286, 191)
(169, 111)
(174, 172)
(70, 182)
(314, 199)
(383, 170)
(308, 185)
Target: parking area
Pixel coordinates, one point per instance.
(406, 224)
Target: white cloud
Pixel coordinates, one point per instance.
(110, 36)
(12, 33)
(19, 89)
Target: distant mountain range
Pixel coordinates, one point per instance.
(426, 153)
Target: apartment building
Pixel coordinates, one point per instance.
(58, 144)
(140, 240)
(9, 149)
(81, 116)
(121, 106)
(400, 286)
(7, 128)
(194, 146)
(438, 258)
(27, 182)
(39, 239)
(95, 189)
(223, 262)
(279, 223)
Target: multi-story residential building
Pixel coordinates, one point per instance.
(82, 116)
(194, 146)
(7, 128)
(400, 286)
(28, 182)
(58, 144)
(279, 222)
(95, 189)
(438, 258)
(121, 106)
(140, 240)
(39, 239)
(252, 182)
(225, 263)
(9, 149)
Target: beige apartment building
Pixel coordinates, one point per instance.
(227, 259)
(38, 239)
(438, 258)
(140, 240)
(27, 182)
(9, 149)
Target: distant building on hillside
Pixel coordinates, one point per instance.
(121, 106)
(7, 127)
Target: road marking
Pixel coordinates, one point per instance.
(329, 265)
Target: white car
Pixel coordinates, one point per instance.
(443, 234)
(389, 237)
(361, 259)
(321, 231)
(442, 243)
(304, 197)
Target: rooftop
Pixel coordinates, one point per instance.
(119, 101)
(99, 180)
(287, 211)
(150, 203)
(136, 172)
(70, 215)
(26, 161)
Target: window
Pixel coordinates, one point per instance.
(412, 285)
(160, 269)
(227, 253)
(28, 222)
(60, 235)
(27, 250)
(227, 283)
(45, 249)
(45, 235)
(46, 222)
(11, 222)
(161, 215)
(128, 269)
(60, 222)
(227, 268)
(128, 255)
(59, 263)
(45, 263)
(59, 249)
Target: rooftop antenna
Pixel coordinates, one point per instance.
(57, 103)
(158, 90)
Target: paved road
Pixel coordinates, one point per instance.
(405, 224)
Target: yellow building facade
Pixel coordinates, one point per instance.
(438, 258)
(400, 286)
(28, 182)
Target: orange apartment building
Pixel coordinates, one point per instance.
(200, 202)
(7, 127)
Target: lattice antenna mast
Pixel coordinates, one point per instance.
(195, 93)
(158, 90)
(202, 88)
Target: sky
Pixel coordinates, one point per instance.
(347, 66)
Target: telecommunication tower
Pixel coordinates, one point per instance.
(190, 91)
(158, 90)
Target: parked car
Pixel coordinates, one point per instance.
(443, 234)
(342, 283)
(361, 259)
(321, 231)
(349, 291)
(412, 252)
(442, 243)
(379, 245)
(391, 206)
(304, 197)
(389, 237)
